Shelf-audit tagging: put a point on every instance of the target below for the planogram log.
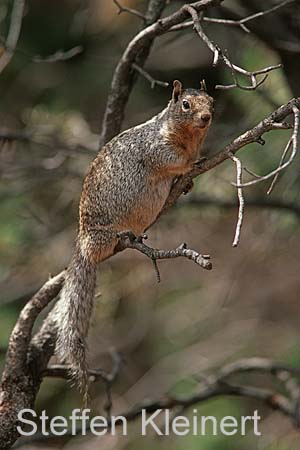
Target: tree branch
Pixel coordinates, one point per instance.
(21, 377)
(239, 172)
(21, 335)
(125, 76)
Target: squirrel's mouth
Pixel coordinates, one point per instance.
(202, 124)
(204, 120)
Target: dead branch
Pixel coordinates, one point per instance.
(153, 82)
(21, 377)
(21, 335)
(218, 54)
(239, 172)
(218, 384)
(284, 153)
(129, 240)
(293, 140)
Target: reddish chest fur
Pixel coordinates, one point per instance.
(187, 140)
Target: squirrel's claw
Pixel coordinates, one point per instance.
(199, 163)
(188, 187)
(128, 234)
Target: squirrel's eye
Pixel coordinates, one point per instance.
(185, 104)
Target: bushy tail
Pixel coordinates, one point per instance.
(72, 315)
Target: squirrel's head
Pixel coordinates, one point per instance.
(191, 106)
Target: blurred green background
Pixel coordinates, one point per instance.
(193, 321)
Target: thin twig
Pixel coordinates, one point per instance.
(238, 228)
(269, 191)
(134, 12)
(294, 140)
(63, 370)
(153, 82)
(247, 19)
(129, 240)
(60, 55)
(250, 171)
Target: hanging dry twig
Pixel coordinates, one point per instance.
(293, 140)
(239, 172)
(285, 151)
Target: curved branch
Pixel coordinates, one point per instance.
(21, 334)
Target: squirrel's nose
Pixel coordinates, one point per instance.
(205, 117)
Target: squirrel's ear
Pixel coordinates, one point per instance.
(177, 89)
(203, 86)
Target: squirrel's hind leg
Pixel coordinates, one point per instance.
(98, 243)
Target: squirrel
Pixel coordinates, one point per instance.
(125, 188)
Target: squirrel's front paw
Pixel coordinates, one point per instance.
(128, 234)
(188, 187)
(199, 163)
